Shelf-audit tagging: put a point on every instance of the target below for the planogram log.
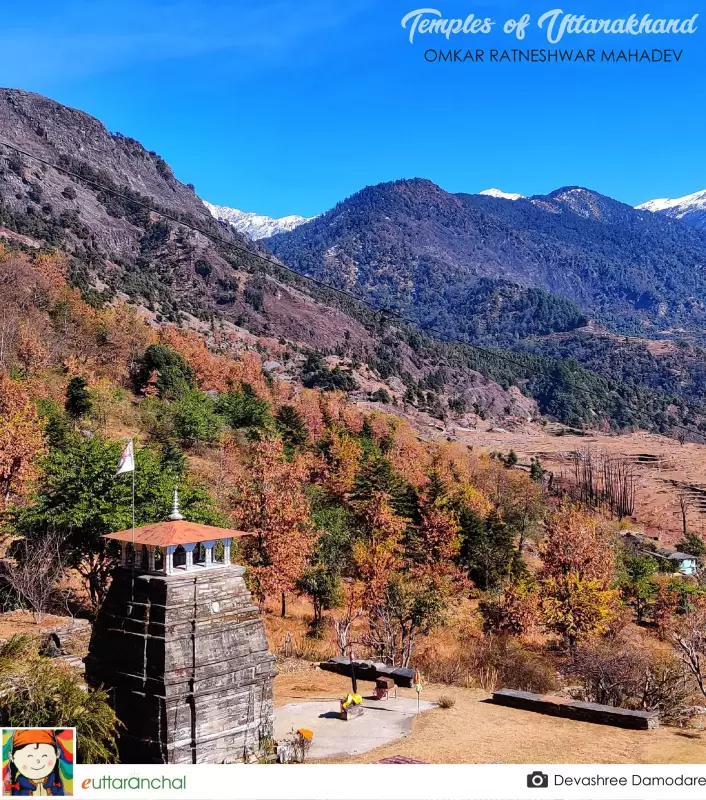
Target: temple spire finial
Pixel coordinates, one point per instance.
(175, 515)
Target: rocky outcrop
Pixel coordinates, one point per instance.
(80, 143)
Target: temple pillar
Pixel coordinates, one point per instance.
(189, 548)
(226, 551)
(150, 558)
(208, 546)
(169, 559)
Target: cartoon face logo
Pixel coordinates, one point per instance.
(35, 761)
(38, 762)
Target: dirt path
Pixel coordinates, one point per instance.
(477, 732)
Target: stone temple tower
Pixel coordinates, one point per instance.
(181, 648)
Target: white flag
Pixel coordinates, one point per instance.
(127, 459)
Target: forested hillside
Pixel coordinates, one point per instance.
(129, 231)
(410, 245)
(325, 428)
(348, 510)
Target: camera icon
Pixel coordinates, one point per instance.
(537, 780)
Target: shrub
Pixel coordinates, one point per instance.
(292, 426)
(489, 662)
(39, 692)
(330, 380)
(630, 673)
(315, 374)
(194, 419)
(244, 409)
(166, 370)
(515, 610)
(254, 294)
(381, 395)
(78, 398)
(301, 744)
(190, 420)
(324, 589)
(445, 701)
(458, 404)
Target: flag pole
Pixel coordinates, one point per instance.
(127, 464)
(133, 497)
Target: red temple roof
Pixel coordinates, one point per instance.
(179, 531)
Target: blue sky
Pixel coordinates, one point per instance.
(288, 107)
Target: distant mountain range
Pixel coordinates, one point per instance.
(690, 209)
(498, 269)
(449, 260)
(259, 226)
(255, 226)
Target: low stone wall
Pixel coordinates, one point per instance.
(369, 670)
(577, 710)
(68, 636)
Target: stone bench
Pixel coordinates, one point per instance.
(368, 670)
(577, 710)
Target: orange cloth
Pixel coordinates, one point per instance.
(33, 736)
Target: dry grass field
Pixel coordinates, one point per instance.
(663, 469)
(476, 732)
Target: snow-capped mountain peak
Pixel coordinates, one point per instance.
(255, 226)
(502, 195)
(690, 209)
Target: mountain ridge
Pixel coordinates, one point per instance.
(186, 272)
(411, 245)
(690, 209)
(131, 232)
(253, 225)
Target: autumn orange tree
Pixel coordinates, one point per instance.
(514, 610)
(437, 542)
(409, 573)
(269, 502)
(432, 551)
(378, 553)
(342, 456)
(665, 604)
(577, 542)
(20, 442)
(577, 594)
(575, 607)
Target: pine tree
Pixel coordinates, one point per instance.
(78, 399)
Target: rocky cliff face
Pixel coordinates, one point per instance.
(78, 142)
(117, 245)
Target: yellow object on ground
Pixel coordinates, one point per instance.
(352, 699)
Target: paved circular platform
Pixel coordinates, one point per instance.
(382, 722)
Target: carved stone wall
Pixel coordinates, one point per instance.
(186, 661)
